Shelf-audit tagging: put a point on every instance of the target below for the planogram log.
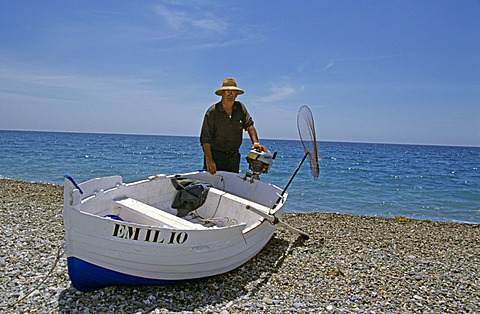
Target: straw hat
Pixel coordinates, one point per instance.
(229, 84)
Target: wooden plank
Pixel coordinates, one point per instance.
(146, 210)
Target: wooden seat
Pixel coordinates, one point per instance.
(149, 214)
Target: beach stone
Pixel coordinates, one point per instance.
(268, 301)
(350, 264)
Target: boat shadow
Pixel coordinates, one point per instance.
(242, 282)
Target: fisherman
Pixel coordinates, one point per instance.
(222, 130)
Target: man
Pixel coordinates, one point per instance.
(222, 130)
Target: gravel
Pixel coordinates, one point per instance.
(350, 264)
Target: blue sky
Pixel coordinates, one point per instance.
(371, 71)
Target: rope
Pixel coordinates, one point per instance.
(215, 220)
(60, 253)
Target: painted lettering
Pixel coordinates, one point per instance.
(179, 238)
(115, 230)
(182, 237)
(153, 236)
(149, 235)
(126, 232)
(172, 237)
(157, 233)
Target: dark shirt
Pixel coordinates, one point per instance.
(223, 133)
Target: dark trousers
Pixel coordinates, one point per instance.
(226, 161)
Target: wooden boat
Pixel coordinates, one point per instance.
(129, 234)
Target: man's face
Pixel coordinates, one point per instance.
(229, 95)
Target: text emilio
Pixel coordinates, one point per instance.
(149, 235)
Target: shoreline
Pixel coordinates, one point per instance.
(350, 264)
(288, 213)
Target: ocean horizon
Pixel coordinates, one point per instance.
(245, 138)
(431, 182)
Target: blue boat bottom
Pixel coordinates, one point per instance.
(88, 277)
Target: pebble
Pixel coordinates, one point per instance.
(267, 301)
(350, 264)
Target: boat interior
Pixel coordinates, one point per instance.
(149, 202)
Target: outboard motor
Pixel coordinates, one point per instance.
(259, 161)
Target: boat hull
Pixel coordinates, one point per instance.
(89, 277)
(103, 252)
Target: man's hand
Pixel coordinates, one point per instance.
(211, 166)
(260, 147)
(209, 162)
(252, 132)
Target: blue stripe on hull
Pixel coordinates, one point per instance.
(88, 277)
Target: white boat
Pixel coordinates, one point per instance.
(128, 234)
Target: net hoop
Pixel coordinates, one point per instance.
(306, 131)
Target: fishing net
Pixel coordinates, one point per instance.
(306, 131)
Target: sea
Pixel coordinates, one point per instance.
(438, 183)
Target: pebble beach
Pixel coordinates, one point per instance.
(350, 264)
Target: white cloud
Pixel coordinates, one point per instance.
(329, 65)
(316, 65)
(191, 20)
(210, 24)
(34, 98)
(23, 82)
(175, 19)
(280, 93)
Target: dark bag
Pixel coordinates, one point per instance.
(190, 196)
